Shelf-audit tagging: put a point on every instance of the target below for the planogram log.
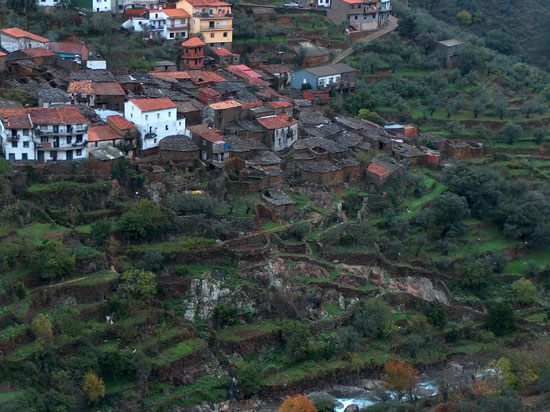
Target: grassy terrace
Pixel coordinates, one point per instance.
(178, 351)
(37, 233)
(241, 332)
(55, 186)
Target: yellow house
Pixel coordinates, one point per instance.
(212, 18)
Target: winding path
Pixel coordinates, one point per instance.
(392, 25)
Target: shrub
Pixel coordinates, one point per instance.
(151, 260)
(145, 221)
(55, 261)
(372, 318)
(250, 376)
(501, 320)
(296, 337)
(225, 315)
(324, 402)
(524, 291)
(299, 231)
(139, 283)
(93, 387)
(20, 291)
(101, 231)
(436, 314)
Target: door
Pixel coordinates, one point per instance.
(41, 155)
(69, 155)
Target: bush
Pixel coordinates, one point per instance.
(296, 337)
(151, 260)
(323, 402)
(299, 231)
(225, 315)
(189, 204)
(250, 376)
(524, 291)
(101, 231)
(139, 284)
(145, 221)
(436, 314)
(501, 320)
(372, 318)
(55, 261)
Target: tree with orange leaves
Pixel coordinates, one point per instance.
(299, 403)
(401, 378)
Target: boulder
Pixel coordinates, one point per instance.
(352, 408)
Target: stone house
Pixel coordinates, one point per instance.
(282, 131)
(14, 39)
(210, 142)
(220, 114)
(277, 200)
(100, 95)
(449, 52)
(360, 15)
(332, 76)
(381, 168)
(179, 149)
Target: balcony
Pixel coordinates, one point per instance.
(48, 133)
(207, 27)
(178, 27)
(213, 15)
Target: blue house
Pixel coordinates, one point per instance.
(340, 76)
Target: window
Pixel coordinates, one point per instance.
(25, 132)
(12, 157)
(158, 115)
(166, 127)
(146, 117)
(14, 145)
(169, 114)
(24, 156)
(224, 34)
(211, 35)
(43, 140)
(26, 145)
(79, 152)
(171, 35)
(179, 123)
(79, 138)
(69, 140)
(355, 17)
(155, 140)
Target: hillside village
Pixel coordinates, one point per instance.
(211, 206)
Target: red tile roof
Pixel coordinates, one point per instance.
(277, 122)
(81, 86)
(39, 52)
(134, 12)
(108, 89)
(56, 115)
(378, 170)
(208, 133)
(69, 48)
(121, 122)
(354, 1)
(221, 51)
(200, 76)
(228, 104)
(278, 105)
(176, 13)
(99, 133)
(3, 54)
(251, 104)
(149, 105)
(209, 92)
(15, 119)
(248, 72)
(275, 68)
(193, 42)
(18, 33)
(258, 82)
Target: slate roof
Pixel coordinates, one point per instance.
(178, 144)
(330, 69)
(326, 166)
(323, 130)
(348, 139)
(391, 165)
(275, 68)
(408, 151)
(241, 145)
(266, 158)
(319, 142)
(277, 197)
(95, 75)
(105, 153)
(51, 95)
(312, 118)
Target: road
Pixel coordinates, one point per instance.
(392, 25)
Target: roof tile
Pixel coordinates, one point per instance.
(277, 122)
(18, 33)
(149, 105)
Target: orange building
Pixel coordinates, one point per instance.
(193, 53)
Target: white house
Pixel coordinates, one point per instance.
(43, 134)
(323, 3)
(164, 23)
(14, 39)
(48, 3)
(155, 120)
(282, 131)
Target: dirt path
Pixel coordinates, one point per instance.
(392, 25)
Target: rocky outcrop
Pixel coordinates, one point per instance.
(205, 294)
(419, 287)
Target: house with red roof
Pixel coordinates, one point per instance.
(192, 54)
(70, 51)
(223, 57)
(43, 134)
(210, 141)
(281, 131)
(381, 169)
(220, 114)
(100, 95)
(155, 120)
(212, 18)
(14, 39)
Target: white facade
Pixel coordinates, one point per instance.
(43, 143)
(154, 125)
(327, 80)
(48, 3)
(13, 44)
(99, 6)
(285, 137)
(323, 3)
(157, 23)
